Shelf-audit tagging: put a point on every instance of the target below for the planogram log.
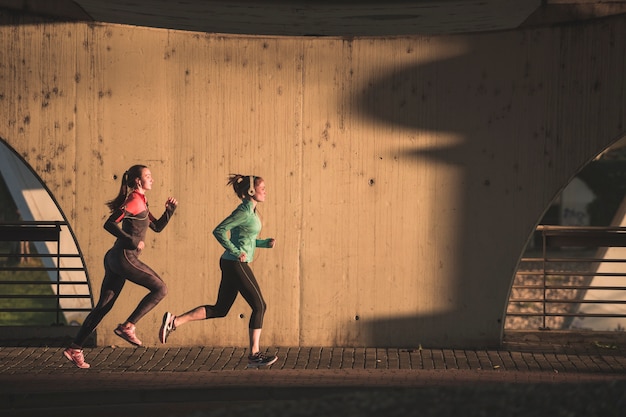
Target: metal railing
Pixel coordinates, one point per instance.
(554, 284)
(48, 232)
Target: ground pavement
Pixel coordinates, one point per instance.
(543, 367)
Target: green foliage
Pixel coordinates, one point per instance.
(27, 318)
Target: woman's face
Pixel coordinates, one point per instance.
(259, 192)
(145, 181)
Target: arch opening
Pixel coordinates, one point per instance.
(577, 286)
(44, 282)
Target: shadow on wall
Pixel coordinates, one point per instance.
(484, 119)
(42, 12)
(391, 332)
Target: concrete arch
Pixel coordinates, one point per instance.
(405, 174)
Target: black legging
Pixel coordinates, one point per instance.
(121, 265)
(237, 277)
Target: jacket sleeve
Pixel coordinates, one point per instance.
(263, 243)
(236, 218)
(158, 225)
(112, 226)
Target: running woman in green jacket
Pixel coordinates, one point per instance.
(238, 234)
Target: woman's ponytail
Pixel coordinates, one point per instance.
(129, 181)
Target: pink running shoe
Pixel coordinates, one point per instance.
(76, 356)
(128, 333)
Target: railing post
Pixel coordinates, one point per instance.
(58, 271)
(545, 260)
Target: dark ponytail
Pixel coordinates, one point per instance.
(242, 183)
(129, 181)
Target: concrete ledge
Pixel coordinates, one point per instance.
(582, 339)
(38, 336)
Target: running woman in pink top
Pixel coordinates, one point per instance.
(122, 263)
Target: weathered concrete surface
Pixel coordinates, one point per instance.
(404, 174)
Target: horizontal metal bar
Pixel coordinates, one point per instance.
(36, 222)
(20, 233)
(566, 236)
(570, 260)
(565, 315)
(41, 310)
(557, 228)
(39, 255)
(552, 272)
(584, 260)
(584, 274)
(44, 282)
(566, 287)
(40, 268)
(42, 297)
(564, 301)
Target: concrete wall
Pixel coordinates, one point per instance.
(404, 175)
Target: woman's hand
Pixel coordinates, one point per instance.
(171, 203)
(140, 246)
(243, 257)
(272, 243)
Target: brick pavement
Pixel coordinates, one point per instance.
(34, 378)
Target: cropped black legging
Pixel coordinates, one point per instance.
(238, 278)
(121, 265)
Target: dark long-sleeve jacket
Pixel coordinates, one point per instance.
(135, 218)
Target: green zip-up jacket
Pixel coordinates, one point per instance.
(244, 227)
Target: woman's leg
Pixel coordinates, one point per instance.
(226, 295)
(110, 290)
(251, 292)
(141, 274)
(255, 339)
(198, 313)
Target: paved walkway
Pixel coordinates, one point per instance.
(39, 379)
